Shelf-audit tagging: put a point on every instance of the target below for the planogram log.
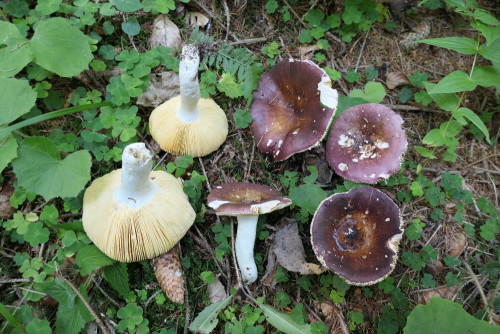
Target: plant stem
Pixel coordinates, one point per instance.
(245, 241)
(50, 115)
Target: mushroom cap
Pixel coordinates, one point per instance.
(292, 108)
(127, 234)
(199, 138)
(366, 143)
(356, 234)
(245, 199)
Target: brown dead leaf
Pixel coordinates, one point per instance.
(395, 79)
(306, 51)
(443, 292)
(456, 243)
(197, 19)
(325, 173)
(286, 248)
(162, 87)
(6, 209)
(165, 32)
(216, 291)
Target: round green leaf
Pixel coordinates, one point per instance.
(47, 7)
(60, 47)
(15, 54)
(8, 151)
(39, 169)
(10, 99)
(131, 27)
(127, 5)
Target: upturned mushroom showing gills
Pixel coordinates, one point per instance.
(133, 213)
(356, 234)
(186, 124)
(292, 108)
(366, 143)
(246, 201)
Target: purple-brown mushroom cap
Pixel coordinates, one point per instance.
(292, 108)
(356, 234)
(366, 143)
(242, 198)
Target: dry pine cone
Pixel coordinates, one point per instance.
(168, 271)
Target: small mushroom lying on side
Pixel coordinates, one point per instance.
(186, 124)
(356, 234)
(292, 108)
(366, 143)
(246, 201)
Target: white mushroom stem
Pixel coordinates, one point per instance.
(245, 240)
(136, 189)
(188, 78)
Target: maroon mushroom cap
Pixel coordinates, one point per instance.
(241, 198)
(366, 143)
(356, 234)
(292, 108)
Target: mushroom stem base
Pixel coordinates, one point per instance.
(245, 240)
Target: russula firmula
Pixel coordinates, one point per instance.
(186, 124)
(292, 108)
(366, 143)
(133, 213)
(356, 234)
(246, 201)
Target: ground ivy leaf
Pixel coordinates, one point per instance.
(13, 106)
(444, 316)
(307, 197)
(90, 257)
(39, 169)
(227, 85)
(117, 276)
(60, 47)
(8, 151)
(374, 92)
(12, 62)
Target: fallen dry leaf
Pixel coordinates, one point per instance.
(286, 249)
(443, 292)
(6, 209)
(456, 243)
(395, 79)
(197, 19)
(165, 32)
(162, 87)
(216, 291)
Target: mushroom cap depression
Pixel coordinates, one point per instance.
(198, 138)
(366, 143)
(356, 234)
(133, 234)
(292, 108)
(245, 199)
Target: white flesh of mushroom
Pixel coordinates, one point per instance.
(188, 78)
(136, 189)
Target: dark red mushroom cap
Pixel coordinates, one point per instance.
(366, 143)
(292, 108)
(241, 198)
(356, 234)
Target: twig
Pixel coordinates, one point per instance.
(186, 299)
(151, 299)
(14, 280)
(479, 288)
(204, 243)
(483, 158)
(87, 305)
(114, 302)
(249, 41)
(205, 174)
(362, 50)
(413, 108)
(228, 17)
(247, 174)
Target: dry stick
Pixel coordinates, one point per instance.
(480, 289)
(249, 41)
(114, 302)
(362, 50)
(212, 14)
(87, 305)
(186, 298)
(247, 173)
(14, 280)
(228, 17)
(413, 108)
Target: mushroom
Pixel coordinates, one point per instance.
(356, 234)
(186, 124)
(292, 108)
(366, 143)
(133, 213)
(246, 201)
